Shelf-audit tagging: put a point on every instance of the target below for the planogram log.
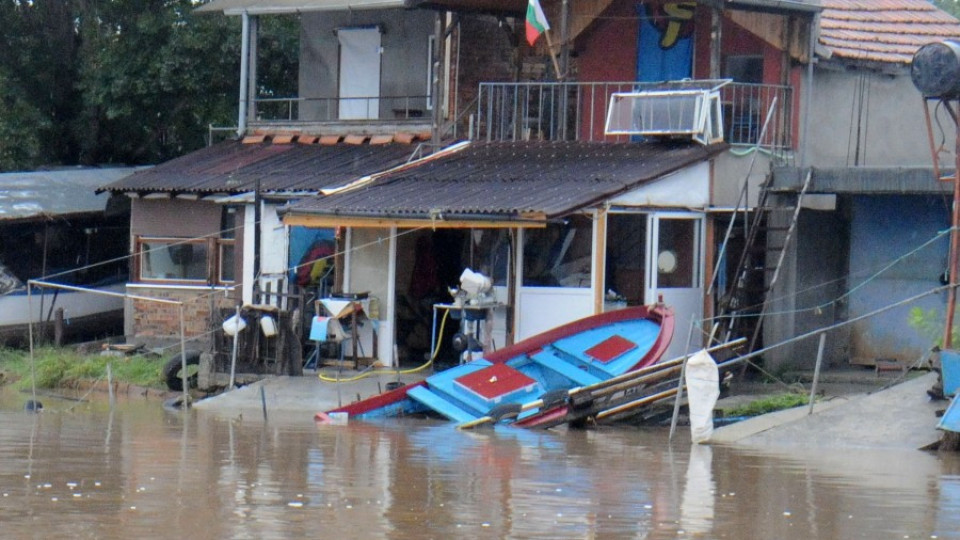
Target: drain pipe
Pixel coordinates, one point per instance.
(808, 95)
(244, 71)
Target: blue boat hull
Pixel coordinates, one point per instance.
(581, 353)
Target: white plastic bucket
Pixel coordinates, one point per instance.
(234, 325)
(268, 325)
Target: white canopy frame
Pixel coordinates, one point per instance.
(39, 283)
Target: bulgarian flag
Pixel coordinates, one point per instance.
(536, 21)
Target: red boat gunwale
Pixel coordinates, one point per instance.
(658, 313)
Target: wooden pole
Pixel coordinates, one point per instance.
(553, 55)
(58, 327)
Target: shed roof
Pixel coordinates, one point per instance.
(26, 195)
(236, 167)
(500, 181)
(887, 31)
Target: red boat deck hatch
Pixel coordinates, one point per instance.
(494, 382)
(610, 348)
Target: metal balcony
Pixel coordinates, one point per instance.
(577, 111)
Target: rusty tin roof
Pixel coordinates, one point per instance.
(235, 167)
(512, 179)
(887, 31)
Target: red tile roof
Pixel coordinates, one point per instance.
(887, 31)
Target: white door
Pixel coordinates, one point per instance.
(359, 73)
(675, 273)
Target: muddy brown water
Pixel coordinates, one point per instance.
(78, 470)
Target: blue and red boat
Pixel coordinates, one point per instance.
(537, 370)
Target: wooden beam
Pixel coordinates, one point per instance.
(325, 221)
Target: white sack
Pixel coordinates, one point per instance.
(703, 389)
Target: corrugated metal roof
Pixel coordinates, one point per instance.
(235, 167)
(864, 180)
(888, 31)
(25, 195)
(511, 179)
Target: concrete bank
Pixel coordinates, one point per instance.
(296, 397)
(902, 416)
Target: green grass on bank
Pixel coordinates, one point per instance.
(57, 367)
(769, 404)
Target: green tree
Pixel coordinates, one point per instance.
(124, 81)
(950, 6)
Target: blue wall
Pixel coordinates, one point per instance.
(882, 229)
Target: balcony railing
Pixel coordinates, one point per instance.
(313, 110)
(577, 111)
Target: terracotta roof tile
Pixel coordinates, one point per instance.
(355, 139)
(381, 139)
(405, 138)
(888, 31)
(328, 140)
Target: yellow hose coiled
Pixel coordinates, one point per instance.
(427, 364)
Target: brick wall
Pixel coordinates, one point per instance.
(158, 322)
(485, 55)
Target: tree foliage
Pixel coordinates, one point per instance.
(124, 81)
(950, 6)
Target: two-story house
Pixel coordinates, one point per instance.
(563, 195)
(571, 198)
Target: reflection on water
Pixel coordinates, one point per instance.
(145, 472)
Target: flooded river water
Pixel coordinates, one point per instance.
(78, 470)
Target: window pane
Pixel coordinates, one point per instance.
(227, 263)
(677, 256)
(558, 255)
(164, 259)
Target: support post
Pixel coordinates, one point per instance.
(183, 360)
(954, 246)
(233, 354)
(244, 72)
(816, 370)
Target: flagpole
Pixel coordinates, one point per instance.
(553, 56)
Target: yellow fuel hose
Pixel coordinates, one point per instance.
(428, 363)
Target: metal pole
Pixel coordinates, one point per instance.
(263, 403)
(954, 246)
(183, 361)
(683, 372)
(33, 371)
(816, 370)
(233, 355)
(110, 385)
(244, 71)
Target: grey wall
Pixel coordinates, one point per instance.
(880, 112)
(403, 62)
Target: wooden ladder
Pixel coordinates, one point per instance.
(743, 307)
